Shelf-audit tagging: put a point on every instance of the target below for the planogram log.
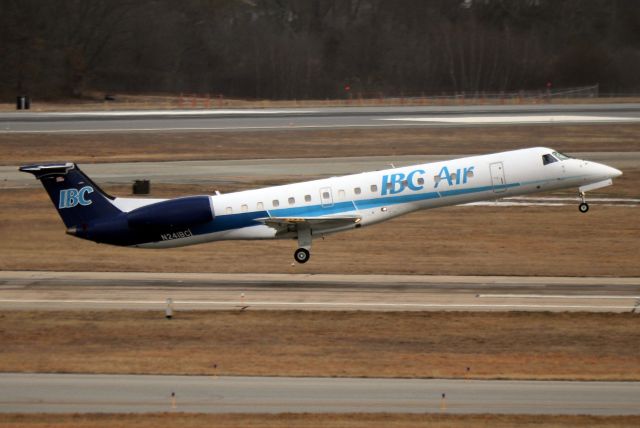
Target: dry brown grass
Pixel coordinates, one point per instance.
(556, 241)
(94, 101)
(365, 420)
(128, 147)
(516, 345)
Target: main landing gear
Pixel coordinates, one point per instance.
(583, 207)
(302, 254)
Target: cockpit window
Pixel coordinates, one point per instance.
(547, 159)
(561, 156)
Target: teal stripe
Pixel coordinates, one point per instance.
(392, 200)
(457, 192)
(313, 210)
(342, 207)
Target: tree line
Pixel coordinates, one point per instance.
(316, 48)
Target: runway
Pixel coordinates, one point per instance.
(315, 118)
(70, 393)
(150, 291)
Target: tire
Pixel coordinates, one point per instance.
(301, 255)
(583, 207)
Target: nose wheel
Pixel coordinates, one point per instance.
(583, 207)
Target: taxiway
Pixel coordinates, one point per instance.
(202, 291)
(73, 393)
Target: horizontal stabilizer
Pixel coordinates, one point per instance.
(48, 169)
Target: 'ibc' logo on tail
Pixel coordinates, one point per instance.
(69, 198)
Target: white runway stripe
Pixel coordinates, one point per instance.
(515, 119)
(554, 296)
(250, 304)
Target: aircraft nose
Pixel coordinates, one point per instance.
(613, 173)
(598, 170)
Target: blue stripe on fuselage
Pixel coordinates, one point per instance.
(314, 210)
(241, 220)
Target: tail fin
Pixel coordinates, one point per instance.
(77, 199)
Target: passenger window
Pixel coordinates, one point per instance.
(470, 173)
(275, 203)
(307, 198)
(260, 206)
(404, 183)
(389, 186)
(453, 176)
(437, 178)
(357, 191)
(547, 159)
(420, 181)
(292, 201)
(374, 188)
(341, 194)
(244, 208)
(229, 210)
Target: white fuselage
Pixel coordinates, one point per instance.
(377, 196)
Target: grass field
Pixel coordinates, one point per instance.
(365, 420)
(518, 345)
(544, 241)
(162, 146)
(94, 101)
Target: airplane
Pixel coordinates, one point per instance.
(310, 209)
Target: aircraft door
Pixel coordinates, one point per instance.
(498, 180)
(326, 198)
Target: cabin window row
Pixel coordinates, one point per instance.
(307, 198)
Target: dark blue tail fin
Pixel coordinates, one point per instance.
(78, 200)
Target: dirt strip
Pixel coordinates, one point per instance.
(517, 345)
(364, 420)
(484, 240)
(171, 146)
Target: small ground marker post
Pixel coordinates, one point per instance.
(168, 312)
(173, 400)
(466, 374)
(443, 403)
(215, 366)
(242, 304)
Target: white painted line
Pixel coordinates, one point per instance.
(516, 119)
(161, 113)
(540, 204)
(206, 128)
(554, 296)
(568, 198)
(299, 304)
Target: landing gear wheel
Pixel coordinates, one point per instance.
(583, 207)
(301, 255)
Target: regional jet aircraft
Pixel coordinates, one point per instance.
(310, 209)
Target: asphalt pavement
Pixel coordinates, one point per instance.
(212, 172)
(313, 118)
(73, 393)
(25, 290)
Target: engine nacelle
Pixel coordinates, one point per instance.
(174, 213)
(146, 223)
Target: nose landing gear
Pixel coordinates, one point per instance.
(583, 207)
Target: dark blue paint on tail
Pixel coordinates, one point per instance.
(88, 212)
(79, 200)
